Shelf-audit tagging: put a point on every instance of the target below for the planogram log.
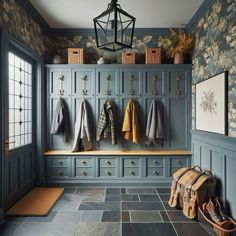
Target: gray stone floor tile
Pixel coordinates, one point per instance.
(145, 217)
(67, 202)
(50, 218)
(90, 194)
(106, 206)
(125, 216)
(142, 206)
(177, 216)
(141, 190)
(123, 190)
(149, 198)
(69, 190)
(164, 197)
(117, 197)
(99, 229)
(9, 219)
(90, 216)
(111, 216)
(168, 208)
(163, 190)
(193, 229)
(148, 229)
(113, 191)
(164, 216)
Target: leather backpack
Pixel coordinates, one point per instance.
(191, 188)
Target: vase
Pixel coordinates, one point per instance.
(179, 58)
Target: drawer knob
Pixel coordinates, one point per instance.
(84, 162)
(60, 162)
(108, 162)
(155, 172)
(131, 162)
(179, 162)
(84, 172)
(108, 172)
(155, 162)
(132, 172)
(60, 173)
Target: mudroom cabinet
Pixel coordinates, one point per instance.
(126, 162)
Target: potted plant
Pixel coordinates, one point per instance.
(176, 44)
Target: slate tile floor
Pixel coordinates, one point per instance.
(107, 212)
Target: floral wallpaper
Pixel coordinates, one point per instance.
(18, 23)
(215, 52)
(92, 53)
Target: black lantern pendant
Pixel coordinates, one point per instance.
(114, 28)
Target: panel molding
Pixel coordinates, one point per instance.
(219, 151)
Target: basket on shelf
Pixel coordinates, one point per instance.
(75, 55)
(128, 58)
(153, 56)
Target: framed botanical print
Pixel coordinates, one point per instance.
(212, 104)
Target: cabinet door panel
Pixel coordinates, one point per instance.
(178, 123)
(154, 82)
(56, 84)
(83, 82)
(130, 83)
(107, 83)
(178, 82)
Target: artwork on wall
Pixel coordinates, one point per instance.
(212, 103)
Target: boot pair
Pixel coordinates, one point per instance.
(216, 210)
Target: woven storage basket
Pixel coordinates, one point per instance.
(212, 228)
(152, 56)
(128, 58)
(75, 55)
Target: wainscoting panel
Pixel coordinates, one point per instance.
(218, 153)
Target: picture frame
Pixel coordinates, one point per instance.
(211, 99)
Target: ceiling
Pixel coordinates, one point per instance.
(148, 13)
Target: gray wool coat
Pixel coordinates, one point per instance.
(155, 129)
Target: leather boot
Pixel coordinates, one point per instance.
(221, 209)
(213, 209)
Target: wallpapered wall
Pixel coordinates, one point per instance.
(19, 23)
(92, 54)
(215, 52)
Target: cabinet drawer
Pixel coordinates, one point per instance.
(153, 162)
(106, 162)
(107, 172)
(129, 162)
(82, 171)
(155, 171)
(131, 172)
(83, 162)
(60, 162)
(179, 162)
(59, 172)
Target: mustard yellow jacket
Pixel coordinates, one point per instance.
(130, 129)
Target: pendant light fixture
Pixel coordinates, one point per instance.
(114, 28)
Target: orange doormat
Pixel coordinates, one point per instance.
(38, 202)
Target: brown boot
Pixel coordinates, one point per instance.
(213, 209)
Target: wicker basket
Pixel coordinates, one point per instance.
(75, 55)
(152, 56)
(212, 228)
(128, 58)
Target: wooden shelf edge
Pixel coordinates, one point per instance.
(120, 152)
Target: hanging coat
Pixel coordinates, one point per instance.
(82, 137)
(106, 123)
(61, 120)
(154, 128)
(130, 129)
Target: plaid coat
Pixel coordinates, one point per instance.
(106, 123)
